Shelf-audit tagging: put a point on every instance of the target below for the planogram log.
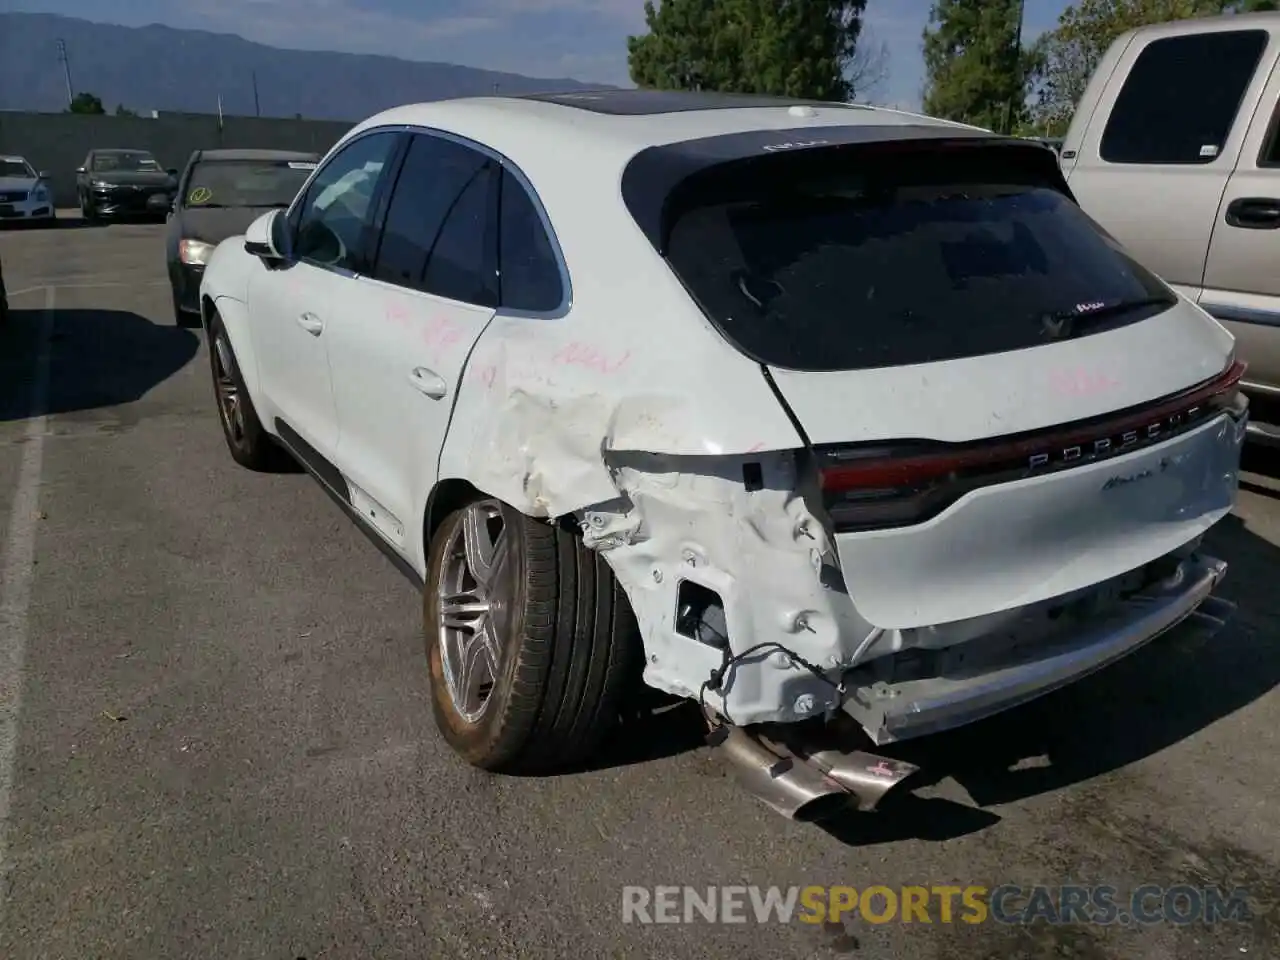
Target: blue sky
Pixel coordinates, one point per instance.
(583, 39)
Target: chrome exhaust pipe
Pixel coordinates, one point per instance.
(803, 785)
(787, 786)
(867, 776)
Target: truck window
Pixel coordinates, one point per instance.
(1181, 98)
(1270, 154)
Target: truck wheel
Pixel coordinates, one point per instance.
(530, 641)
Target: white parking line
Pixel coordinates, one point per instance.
(16, 573)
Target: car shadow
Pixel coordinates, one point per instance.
(100, 358)
(1197, 674)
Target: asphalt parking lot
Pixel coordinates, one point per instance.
(215, 738)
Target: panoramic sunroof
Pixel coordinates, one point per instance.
(647, 102)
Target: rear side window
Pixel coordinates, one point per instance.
(462, 265)
(433, 238)
(1181, 98)
(859, 260)
(530, 270)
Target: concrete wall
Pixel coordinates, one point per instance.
(58, 142)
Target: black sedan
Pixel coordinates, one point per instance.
(123, 183)
(219, 194)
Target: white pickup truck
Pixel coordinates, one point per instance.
(1173, 149)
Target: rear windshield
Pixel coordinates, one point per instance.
(245, 183)
(862, 258)
(129, 161)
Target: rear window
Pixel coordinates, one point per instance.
(245, 183)
(1181, 98)
(856, 259)
(125, 161)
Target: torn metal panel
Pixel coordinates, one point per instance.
(766, 556)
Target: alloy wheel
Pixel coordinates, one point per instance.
(474, 597)
(227, 389)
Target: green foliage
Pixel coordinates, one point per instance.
(85, 103)
(975, 67)
(123, 111)
(799, 48)
(1063, 59)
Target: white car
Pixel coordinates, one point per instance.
(25, 194)
(820, 412)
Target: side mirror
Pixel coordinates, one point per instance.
(81, 170)
(260, 239)
(45, 175)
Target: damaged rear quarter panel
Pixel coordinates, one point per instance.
(542, 401)
(633, 404)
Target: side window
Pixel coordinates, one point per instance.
(463, 262)
(530, 272)
(333, 215)
(1270, 154)
(428, 191)
(1181, 98)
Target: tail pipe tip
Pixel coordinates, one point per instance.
(807, 787)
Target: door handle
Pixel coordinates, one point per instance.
(428, 382)
(311, 323)
(1254, 213)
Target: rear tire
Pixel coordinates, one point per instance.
(552, 633)
(250, 445)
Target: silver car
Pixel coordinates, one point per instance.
(25, 194)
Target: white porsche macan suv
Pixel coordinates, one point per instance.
(834, 418)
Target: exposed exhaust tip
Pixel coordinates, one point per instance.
(808, 786)
(826, 807)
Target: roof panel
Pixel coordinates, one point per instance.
(640, 103)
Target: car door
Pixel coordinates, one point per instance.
(397, 363)
(1242, 274)
(294, 307)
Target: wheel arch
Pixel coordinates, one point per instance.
(235, 320)
(452, 493)
(448, 495)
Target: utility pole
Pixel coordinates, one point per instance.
(66, 70)
(257, 110)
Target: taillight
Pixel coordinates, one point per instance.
(865, 487)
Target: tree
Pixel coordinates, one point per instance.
(123, 111)
(798, 48)
(85, 103)
(975, 67)
(868, 71)
(1065, 57)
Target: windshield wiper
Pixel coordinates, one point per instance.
(1064, 324)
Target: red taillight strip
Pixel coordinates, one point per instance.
(896, 471)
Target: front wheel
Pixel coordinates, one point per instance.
(530, 641)
(250, 445)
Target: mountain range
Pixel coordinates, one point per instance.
(161, 68)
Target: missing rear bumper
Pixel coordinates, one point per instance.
(893, 711)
